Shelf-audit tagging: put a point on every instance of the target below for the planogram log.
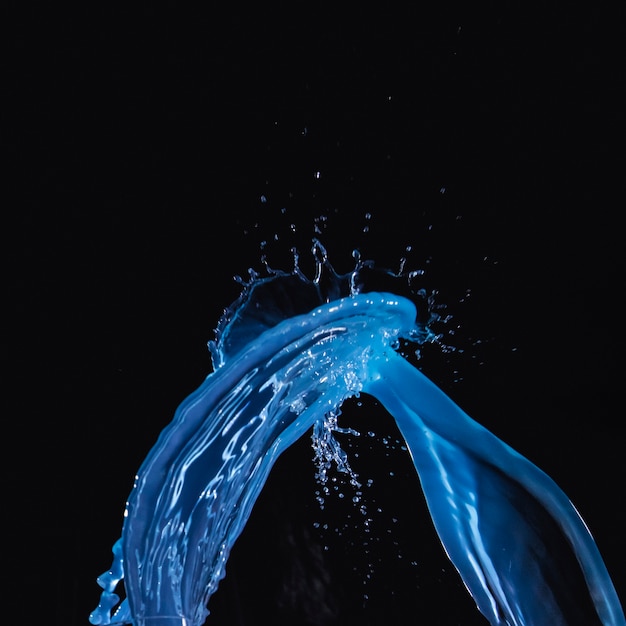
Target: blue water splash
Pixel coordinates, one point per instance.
(287, 354)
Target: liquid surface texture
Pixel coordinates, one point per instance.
(288, 353)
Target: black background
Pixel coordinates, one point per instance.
(156, 152)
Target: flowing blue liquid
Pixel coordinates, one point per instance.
(287, 355)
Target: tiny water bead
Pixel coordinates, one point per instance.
(287, 355)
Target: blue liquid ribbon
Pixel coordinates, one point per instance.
(287, 354)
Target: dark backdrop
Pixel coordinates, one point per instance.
(156, 152)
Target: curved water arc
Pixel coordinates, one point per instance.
(274, 381)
